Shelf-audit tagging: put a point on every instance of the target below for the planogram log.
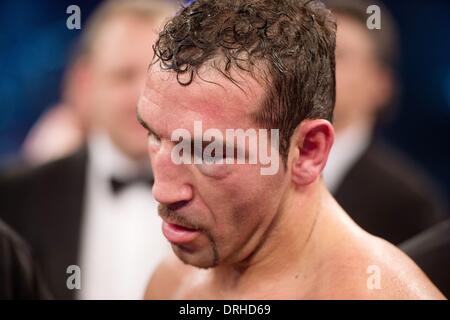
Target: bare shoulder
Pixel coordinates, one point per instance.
(372, 268)
(167, 279)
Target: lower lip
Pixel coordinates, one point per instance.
(178, 235)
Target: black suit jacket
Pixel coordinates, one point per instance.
(388, 197)
(19, 276)
(45, 206)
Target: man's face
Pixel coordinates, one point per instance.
(225, 207)
(358, 75)
(118, 65)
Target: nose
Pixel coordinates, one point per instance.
(171, 181)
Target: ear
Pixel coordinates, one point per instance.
(310, 146)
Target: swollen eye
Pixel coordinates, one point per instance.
(153, 140)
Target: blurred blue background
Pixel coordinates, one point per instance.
(36, 45)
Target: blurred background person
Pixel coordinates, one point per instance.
(382, 191)
(62, 129)
(94, 208)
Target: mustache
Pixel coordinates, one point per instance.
(176, 218)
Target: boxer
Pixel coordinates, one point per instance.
(235, 233)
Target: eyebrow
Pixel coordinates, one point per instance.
(192, 141)
(143, 123)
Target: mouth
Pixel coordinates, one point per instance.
(178, 234)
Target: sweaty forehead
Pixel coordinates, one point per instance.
(211, 97)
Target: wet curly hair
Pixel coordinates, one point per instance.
(294, 41)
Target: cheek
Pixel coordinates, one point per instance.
(241, 199)
(215, 171)
(107, 100)
(115, 92)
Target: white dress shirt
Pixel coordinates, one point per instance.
(349, 145)
(121, 239)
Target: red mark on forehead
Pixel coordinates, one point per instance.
(216, 100)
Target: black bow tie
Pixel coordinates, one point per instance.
(119, 184)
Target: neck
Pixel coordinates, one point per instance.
(284, 247)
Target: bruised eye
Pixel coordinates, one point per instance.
(153, 140)
(214, 170)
